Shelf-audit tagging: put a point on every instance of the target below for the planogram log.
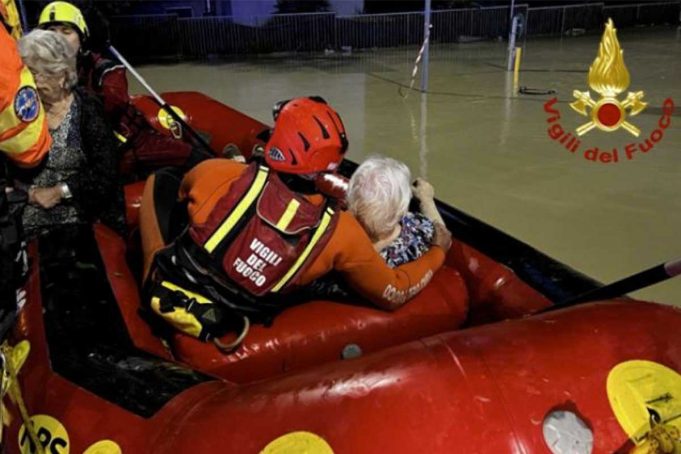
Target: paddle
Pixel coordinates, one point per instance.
(629, 284)
(164, 105)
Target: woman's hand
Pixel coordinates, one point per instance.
(45, 197)
(425, 193)
(423, 190)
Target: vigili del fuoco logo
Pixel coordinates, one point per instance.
(608, 77)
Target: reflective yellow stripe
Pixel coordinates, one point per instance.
(13, 19)
(8, 118)
(287, 217)
(238, 212)
(323, 225)
(120, 137)
(26, 138)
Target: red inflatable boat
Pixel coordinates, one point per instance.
(469, 366)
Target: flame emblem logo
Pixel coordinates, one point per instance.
(608, 76)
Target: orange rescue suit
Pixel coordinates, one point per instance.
(24, 137)
(348, 251)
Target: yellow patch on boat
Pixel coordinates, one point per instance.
(166, 120)
(104, 447)
(51, 434)
(298, 443)
(643, 394)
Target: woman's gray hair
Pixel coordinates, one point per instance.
(48, 52)
(379, 193)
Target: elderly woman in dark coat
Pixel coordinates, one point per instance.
(78, 182)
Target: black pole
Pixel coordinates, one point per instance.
(629, 284)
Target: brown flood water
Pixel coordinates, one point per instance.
(487, 151)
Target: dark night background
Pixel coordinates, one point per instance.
(124, 7)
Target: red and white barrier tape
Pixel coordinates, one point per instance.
(416, 64)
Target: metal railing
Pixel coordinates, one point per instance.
(560, 20)
(170, 36)
(459, 25)
(657, 13)
(145, 36)
(379, 30)
(283, 33)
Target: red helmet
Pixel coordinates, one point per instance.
(309, 137)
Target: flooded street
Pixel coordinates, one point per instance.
(486, 150)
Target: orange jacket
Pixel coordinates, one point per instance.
(24, 137)
(348, 251)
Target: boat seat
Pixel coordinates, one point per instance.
(325, 331)
(495, 291)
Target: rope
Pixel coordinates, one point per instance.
(536, 91)
(15, 394)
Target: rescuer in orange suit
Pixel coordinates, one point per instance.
(24, 137)
(244, 218)
(106, 79)
(25, 140)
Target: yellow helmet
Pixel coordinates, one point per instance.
(63, 13)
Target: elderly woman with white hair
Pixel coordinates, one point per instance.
(378, 195)
(77, 183)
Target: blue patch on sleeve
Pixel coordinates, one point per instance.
(26, 104)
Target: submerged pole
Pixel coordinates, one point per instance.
(423, 143)
(510, 15)
(512, 24)
(426, 47)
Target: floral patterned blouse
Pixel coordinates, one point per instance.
(64, 161)
(413, 241)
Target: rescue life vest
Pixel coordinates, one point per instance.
(219, 276)
(261, 235)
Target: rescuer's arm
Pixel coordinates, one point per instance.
(113, 89)
(203, 185)
(24, 137)
(366, 271)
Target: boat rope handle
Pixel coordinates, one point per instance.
(230, 347)
(661, 439)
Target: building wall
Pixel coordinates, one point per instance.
(347, 7)
(245, 11)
